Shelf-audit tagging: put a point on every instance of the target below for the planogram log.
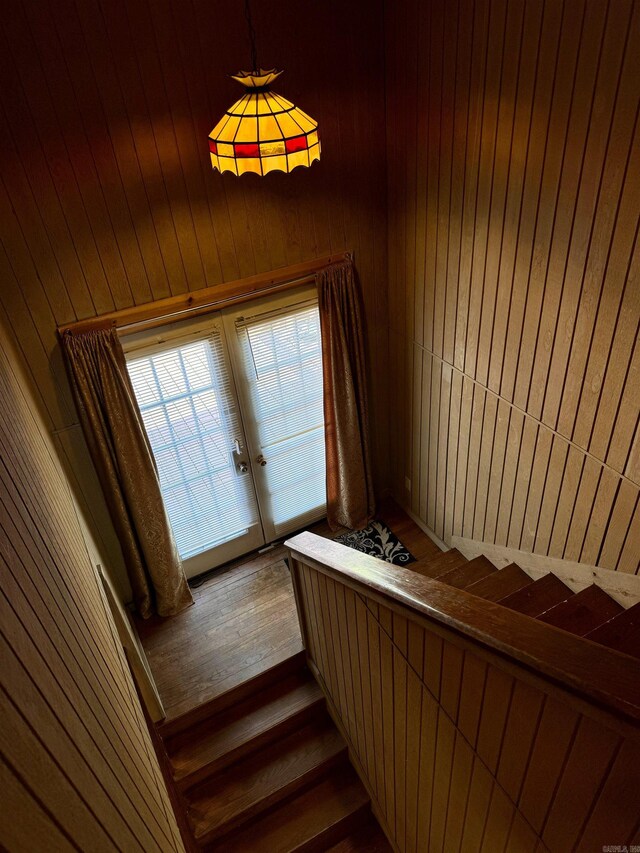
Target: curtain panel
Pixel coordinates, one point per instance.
(118, 443)
(350, 500)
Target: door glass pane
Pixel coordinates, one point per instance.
(282, 362)
(191, 416)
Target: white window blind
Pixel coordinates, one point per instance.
(283, 367)
(191, 417)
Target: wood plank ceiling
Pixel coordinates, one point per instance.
(514, 177)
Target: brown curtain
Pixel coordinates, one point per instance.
(350, 501)
(120, 449)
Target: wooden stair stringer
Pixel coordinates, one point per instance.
(590, 612)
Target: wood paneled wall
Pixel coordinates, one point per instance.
(514, 176)
(78, 768)
(107, 197)
(459, 750)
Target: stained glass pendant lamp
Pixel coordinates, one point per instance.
(262, 132)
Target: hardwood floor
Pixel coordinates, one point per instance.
(243, 622)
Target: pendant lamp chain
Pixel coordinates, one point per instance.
(252, 36)
(262, 132)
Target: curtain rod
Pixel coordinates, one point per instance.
(194, 311)
(164, 311)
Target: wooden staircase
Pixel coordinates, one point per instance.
(590, 613)
(263, 768)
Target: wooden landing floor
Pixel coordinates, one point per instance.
(243, 622)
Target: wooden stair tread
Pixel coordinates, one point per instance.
(471, 572)
(502, 583)
(313, 820)
(434, 567)
(621, 633)
(219, 740)
(538, 597)
(263, 778)
(583, 612)
(251, 687)
(367, 839)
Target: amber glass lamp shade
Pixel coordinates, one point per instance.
(263, 132)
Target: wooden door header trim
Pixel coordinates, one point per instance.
(163, 311)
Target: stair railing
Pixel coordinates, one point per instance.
(472, 726)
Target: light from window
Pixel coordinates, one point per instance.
(190, 414)
(283, 365)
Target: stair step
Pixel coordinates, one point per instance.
(229, 735)
(500, 584)
(368, 839)
(583, 612)
(539, 596)
(621, 633)
(434, 567)
(263, 778)
(311, 821)
(463, 576)
(252, 687)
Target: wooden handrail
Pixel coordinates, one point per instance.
(162, 311)
(606, 677)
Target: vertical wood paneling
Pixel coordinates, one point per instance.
(107, 197)
(517, 382)
(467, 755)
(76, 752)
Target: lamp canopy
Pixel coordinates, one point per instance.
(263, 132)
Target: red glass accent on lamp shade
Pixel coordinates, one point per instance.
(298, 143)
(263, 132)
(246, 149)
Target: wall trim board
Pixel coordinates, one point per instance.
(434, 538)
(136, 658)
(623, 587)
(541, 424)
(483, 469)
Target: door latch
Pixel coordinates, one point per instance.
(243, 467)
(261, 460)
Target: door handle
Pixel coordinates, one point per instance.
(261, 460)
(237, 447)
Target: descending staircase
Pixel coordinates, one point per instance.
(590, 613)
(264, 769)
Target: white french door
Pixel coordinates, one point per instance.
(232, 405)
(276, 353)
(185, 389)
